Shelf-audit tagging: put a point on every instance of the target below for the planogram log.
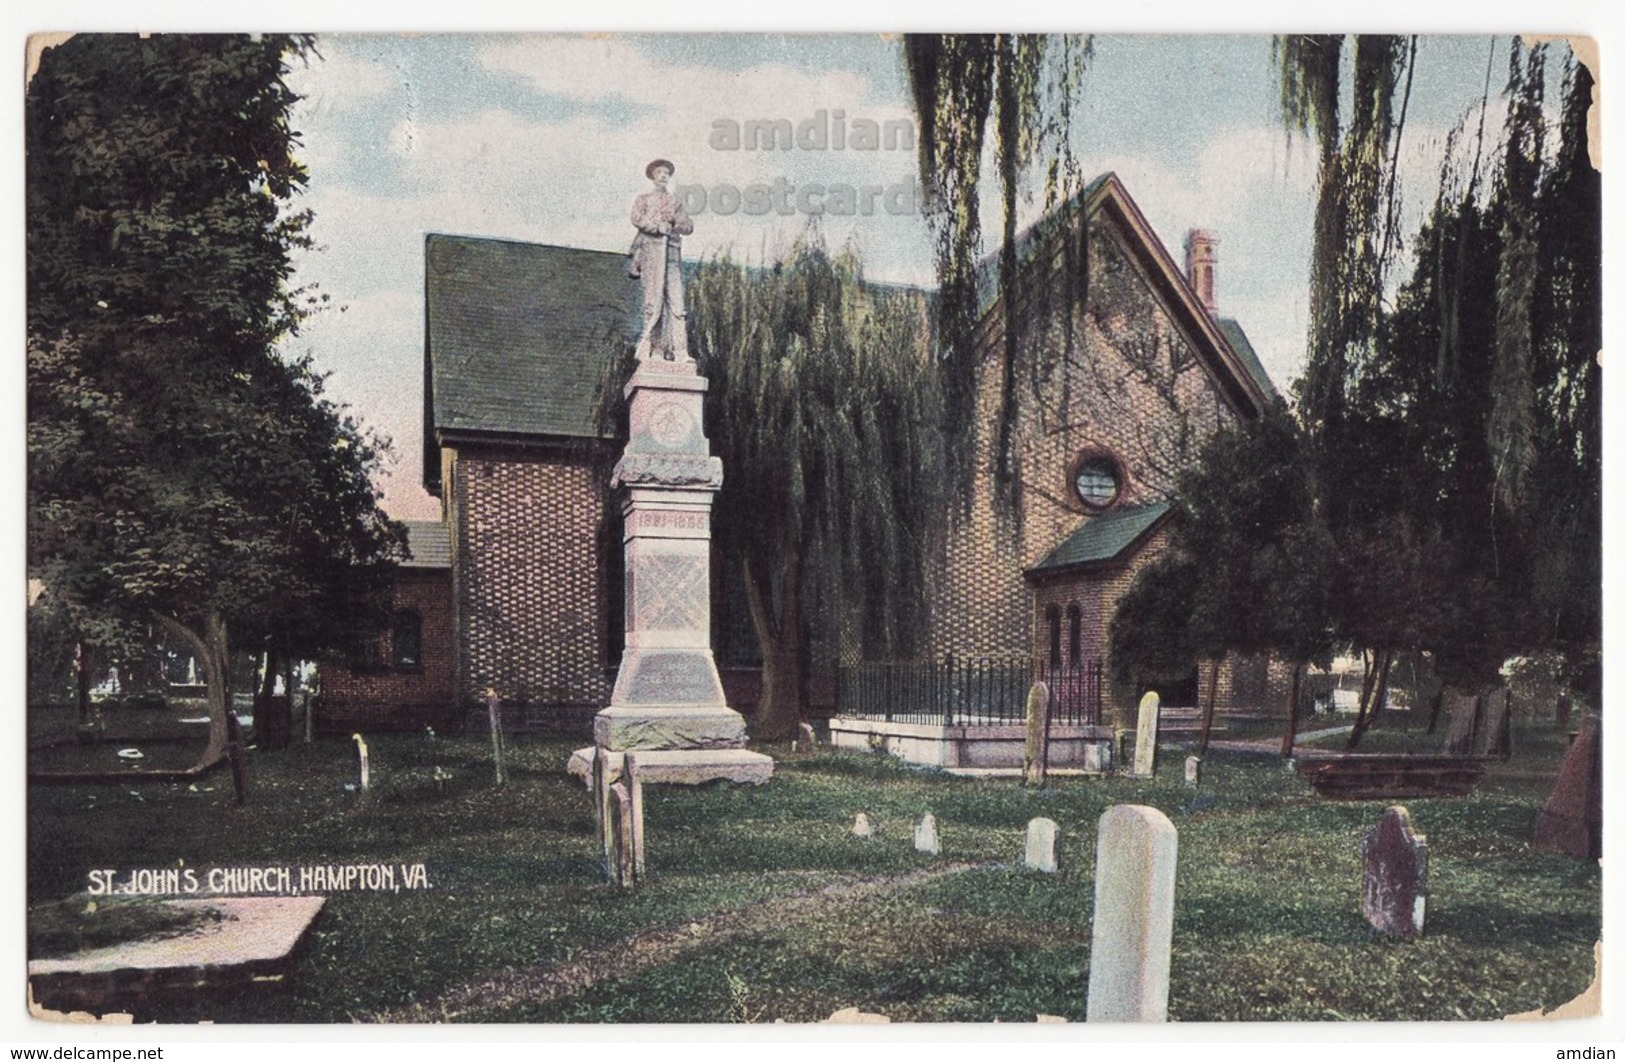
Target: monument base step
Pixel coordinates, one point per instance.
(682, 766)
(699, 728)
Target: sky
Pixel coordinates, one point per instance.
(545, 138)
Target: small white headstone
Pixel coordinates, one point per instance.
(925, 835)
(1145, 737)
(1041, 845)
(860, 826)
(1193, 771)
(1132, 940)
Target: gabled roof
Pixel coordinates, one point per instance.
(428, 544)
(1237, 373)
(1102, 538)
(1249, 357)
(516, 336)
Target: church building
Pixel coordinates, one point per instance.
(517, 591)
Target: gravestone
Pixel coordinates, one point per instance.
(1394, 895)
(1040, 854)
(621, 870)
(1131, 943)
(1464, 725)
(861, 827)
(1571, 821)
(1035, 758)
(925, 836)
(1145, 737)
(1193, 771)
(1498, 723)
(806, 739)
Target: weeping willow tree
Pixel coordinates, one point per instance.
(825, 408)
(1014, 93)
(1449, 413)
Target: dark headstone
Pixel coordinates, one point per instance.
(1463, 724)
(1571, 821)
(1394, 897)
(1498, 724)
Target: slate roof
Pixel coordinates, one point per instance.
(1249, 357)
(1104, 537)
(428, 543)
(516, 336)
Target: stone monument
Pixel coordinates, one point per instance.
(668, 704)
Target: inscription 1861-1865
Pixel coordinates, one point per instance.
(648, 519)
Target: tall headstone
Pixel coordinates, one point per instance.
(1040, 854)
(1145, 737)
(925, 835)
(1498, 723)
(1394, 895)
(1035, 758)
(1571, 821)
(1132, 941)
(1464, 714)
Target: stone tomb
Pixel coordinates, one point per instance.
(242, 943)
(1394, 894)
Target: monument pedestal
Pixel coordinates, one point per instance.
(668, 697)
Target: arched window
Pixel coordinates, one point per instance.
(1074, 643)
(408, 640)
(1052, 617)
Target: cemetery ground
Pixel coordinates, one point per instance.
(760, 904)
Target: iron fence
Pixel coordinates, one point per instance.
(967, 691)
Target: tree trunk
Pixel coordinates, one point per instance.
(1291, 735)
(778, 634)
(1207, 717)
(81, 681)
(1378, 692)
(210, 648)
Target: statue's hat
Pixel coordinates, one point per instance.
(649, 170)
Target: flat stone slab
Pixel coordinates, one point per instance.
(250, 938)
(682, 766)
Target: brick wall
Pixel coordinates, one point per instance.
(529, 584)
(393, 698)
(1118, 378)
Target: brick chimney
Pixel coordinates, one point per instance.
(1200, 259)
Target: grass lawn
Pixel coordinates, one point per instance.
(761, 906)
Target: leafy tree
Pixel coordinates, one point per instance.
(1247, 567)
(182, 473)
(825, 408)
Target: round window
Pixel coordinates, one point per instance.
(1096, 482)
